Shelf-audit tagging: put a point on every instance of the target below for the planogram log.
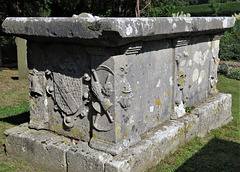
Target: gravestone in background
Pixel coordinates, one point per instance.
(22, 57)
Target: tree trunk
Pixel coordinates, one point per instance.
(137, 10)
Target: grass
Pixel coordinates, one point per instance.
(14, 110)
(12, 90)
(219, 150)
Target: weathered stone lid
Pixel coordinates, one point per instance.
(112, 28)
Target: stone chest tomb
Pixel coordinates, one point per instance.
(117, 88)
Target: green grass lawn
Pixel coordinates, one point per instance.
(219, 150)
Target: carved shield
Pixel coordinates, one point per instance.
(67, 93)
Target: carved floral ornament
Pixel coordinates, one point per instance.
(125, 100)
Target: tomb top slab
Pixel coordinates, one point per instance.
(104, 28)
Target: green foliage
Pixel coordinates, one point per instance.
(230, 44)
(180, 3)
(233, 72)
(211, 9)
(20, 8)
(189, 109)
(223, 71)
(7, 41)
(215, 5)
(161, 8)
(64, 8)
(227, 9)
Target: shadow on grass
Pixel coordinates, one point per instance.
(15, 78)
(217, 155)
(17, 119)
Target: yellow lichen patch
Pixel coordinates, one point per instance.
(180, 73)
(94, 135)
(118, 128)
(168, 94)
(107, 105)
(120, 135)
(174, 138)
(188, 127)
(75, 132)
(215, 91)
(137, 88)
(99, 138)
(105, 141)
(180, 78)
(180, 132)
(146, 117)
(215, 114)
(125, 135)
(159, 102)
(218, 109)
(115, 114)
(57, 127)
(194, 122)
(122, 94)
(33, 104)
(35, 120)
(128, 127)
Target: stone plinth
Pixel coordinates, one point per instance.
(109, 81)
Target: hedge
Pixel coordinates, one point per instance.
(226, 9)
(230, 44)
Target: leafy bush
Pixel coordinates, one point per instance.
(230, 44)
(231, 72)
(224, 71)
(162, 8)
(212, 9)
(234, 73)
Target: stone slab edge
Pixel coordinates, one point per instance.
(94, 27)
(58, 153)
